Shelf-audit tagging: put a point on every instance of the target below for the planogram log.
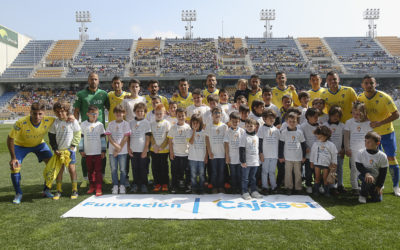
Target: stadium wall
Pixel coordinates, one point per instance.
(8, 49)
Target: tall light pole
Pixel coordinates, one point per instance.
(189, 16)
(83, 17)
(371, 15)
(267, 15)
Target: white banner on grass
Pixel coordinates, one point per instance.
(218, 206)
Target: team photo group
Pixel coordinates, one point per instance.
(260, 141)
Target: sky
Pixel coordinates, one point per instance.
(118, 19)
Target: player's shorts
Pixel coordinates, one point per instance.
(388, 144)
(42, 152)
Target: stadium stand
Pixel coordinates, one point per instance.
(146, 58)
(32, 53)
(63, 50)
(313, 47)
(191, 57)
(231, 47)
(391, 43)
(44, 73)
(16, 73)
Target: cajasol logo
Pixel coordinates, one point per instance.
(257, 205)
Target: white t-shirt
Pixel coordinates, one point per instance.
(303, 114)
(216, 134)
(129, 104)
(226, 107)
(92, 133)
(139, 129)
(197, 150)
(323, 118)
(323, 153)
(270, 137)
(159, 131)
(358, 130)
(308, 131)
(171, 120)
(179, 134)
(293, 139)
(118, 131)
(259, 119)
(232, 137)
(373, 162)
(191, 110)
(207, 117)
(250, 142)
(274, 108)
(242, 124)
(285, 125)
(64, 132)
(150, 116)
(337, 134)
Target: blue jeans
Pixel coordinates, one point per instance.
(268, 170)
(236, 175)
(249, 177)
(119, 160)
(217, 172)
(197, 169)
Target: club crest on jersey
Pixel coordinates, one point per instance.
(91, 129)
(333, 130)
(217, 131)
(16, 128)
(343, 95)
(180, 132)
(371, 161)
(377, 101)
(254, 142)
(235, 136)
(293, 138)
(358, 128)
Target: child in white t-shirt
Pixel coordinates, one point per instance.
(197, 153)
(319, 104)
(304, 98)
(156, 100)
(118, 132)
(244, 112)
(268, 135)
(93, 147)
(257, 107)
(178, 153)
(231, 141)
(250, 160)
(215, 133)
(337, 129)
(308, 127)
(323, 158)
(198, 107)
(159, 149)
(213, 101)
(130, 101)
(292, 152)
(139, 142)
(372, 164)
(171, 117)
(65, 135)
(355, 130)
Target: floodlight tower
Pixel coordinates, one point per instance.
(267, 15)
(189, 16)
(83, 17)
(371, 15)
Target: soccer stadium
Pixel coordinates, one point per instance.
(54, 71)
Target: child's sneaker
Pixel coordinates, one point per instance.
(256, 195)
(309, 190)
(227, 185)
(157, 188)
(74, 195)
(246, 196)
(396, 191)
(362, 199)
(210, 186)
(57, 196)
(165, 188)
(91, 190)
(47, 193)
(115, 189)
(134, 188)
(84, 184)
(144, 189)
(173, 190)
(341, 189)
(188, 189)
(17, 199)
(122, 189)
(99, 192)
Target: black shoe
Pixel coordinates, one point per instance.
(341, 189)
(188, 189)
(265, 191)
(173, 190)
(288, 192)
(274, 191)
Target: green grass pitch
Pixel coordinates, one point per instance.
(36, 222)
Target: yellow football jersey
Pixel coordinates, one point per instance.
(26, 135)
(379, 107)
(164, 101)
(278, 93)
(316, 94)
(344, 97)
(206, 93)
(114, 101)
(183, 102)
(256, 96)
